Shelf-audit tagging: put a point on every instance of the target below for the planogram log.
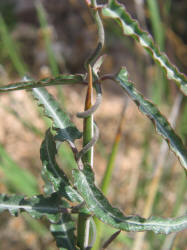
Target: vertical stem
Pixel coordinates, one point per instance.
(88, 121)
(82, 227)
(101, 35)
(108, 173)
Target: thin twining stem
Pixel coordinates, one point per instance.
(88, 113)
(101, 34)
(89, 144)
(95, 106)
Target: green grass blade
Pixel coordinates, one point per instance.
(158, 30)
(66, 130)
(19, 179)
(30, 84)
(109, 169)
(131, 28)
(111, 159)
(42, 16)
(107, 176)
(160, 88)
(101, 208)
(25, 123)
(11, 49)
(162, 126)
(181, 189)
(35, 225)
(36, 206)
(46, 34)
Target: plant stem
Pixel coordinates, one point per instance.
(82, 228)
(88, 122)
(101, 35)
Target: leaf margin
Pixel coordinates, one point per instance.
(131, 28)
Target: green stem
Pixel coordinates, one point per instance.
(81, 227)
(87, 160)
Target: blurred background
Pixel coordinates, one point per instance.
(47, 38)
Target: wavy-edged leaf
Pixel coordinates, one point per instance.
(66, 130)
(51, 172)
(130, 27)
(101, 208)
(150, 110)
(63, 233)
(30, 84)
(36, 206)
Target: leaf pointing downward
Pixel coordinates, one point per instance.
(162, 125)
(61, 122)
(63, 232)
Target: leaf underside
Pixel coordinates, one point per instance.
(101, 208)
(150, 110)
(130, 27)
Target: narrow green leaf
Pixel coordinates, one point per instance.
(66, 130)
(51, 172)
(30, 84)
(131, 28)
(11, 48)
(47, 37)
(162, 125)
(156, 23)
(42, 16)
(101, 208)
(20, 179)
(63, 232)
(36, 206)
